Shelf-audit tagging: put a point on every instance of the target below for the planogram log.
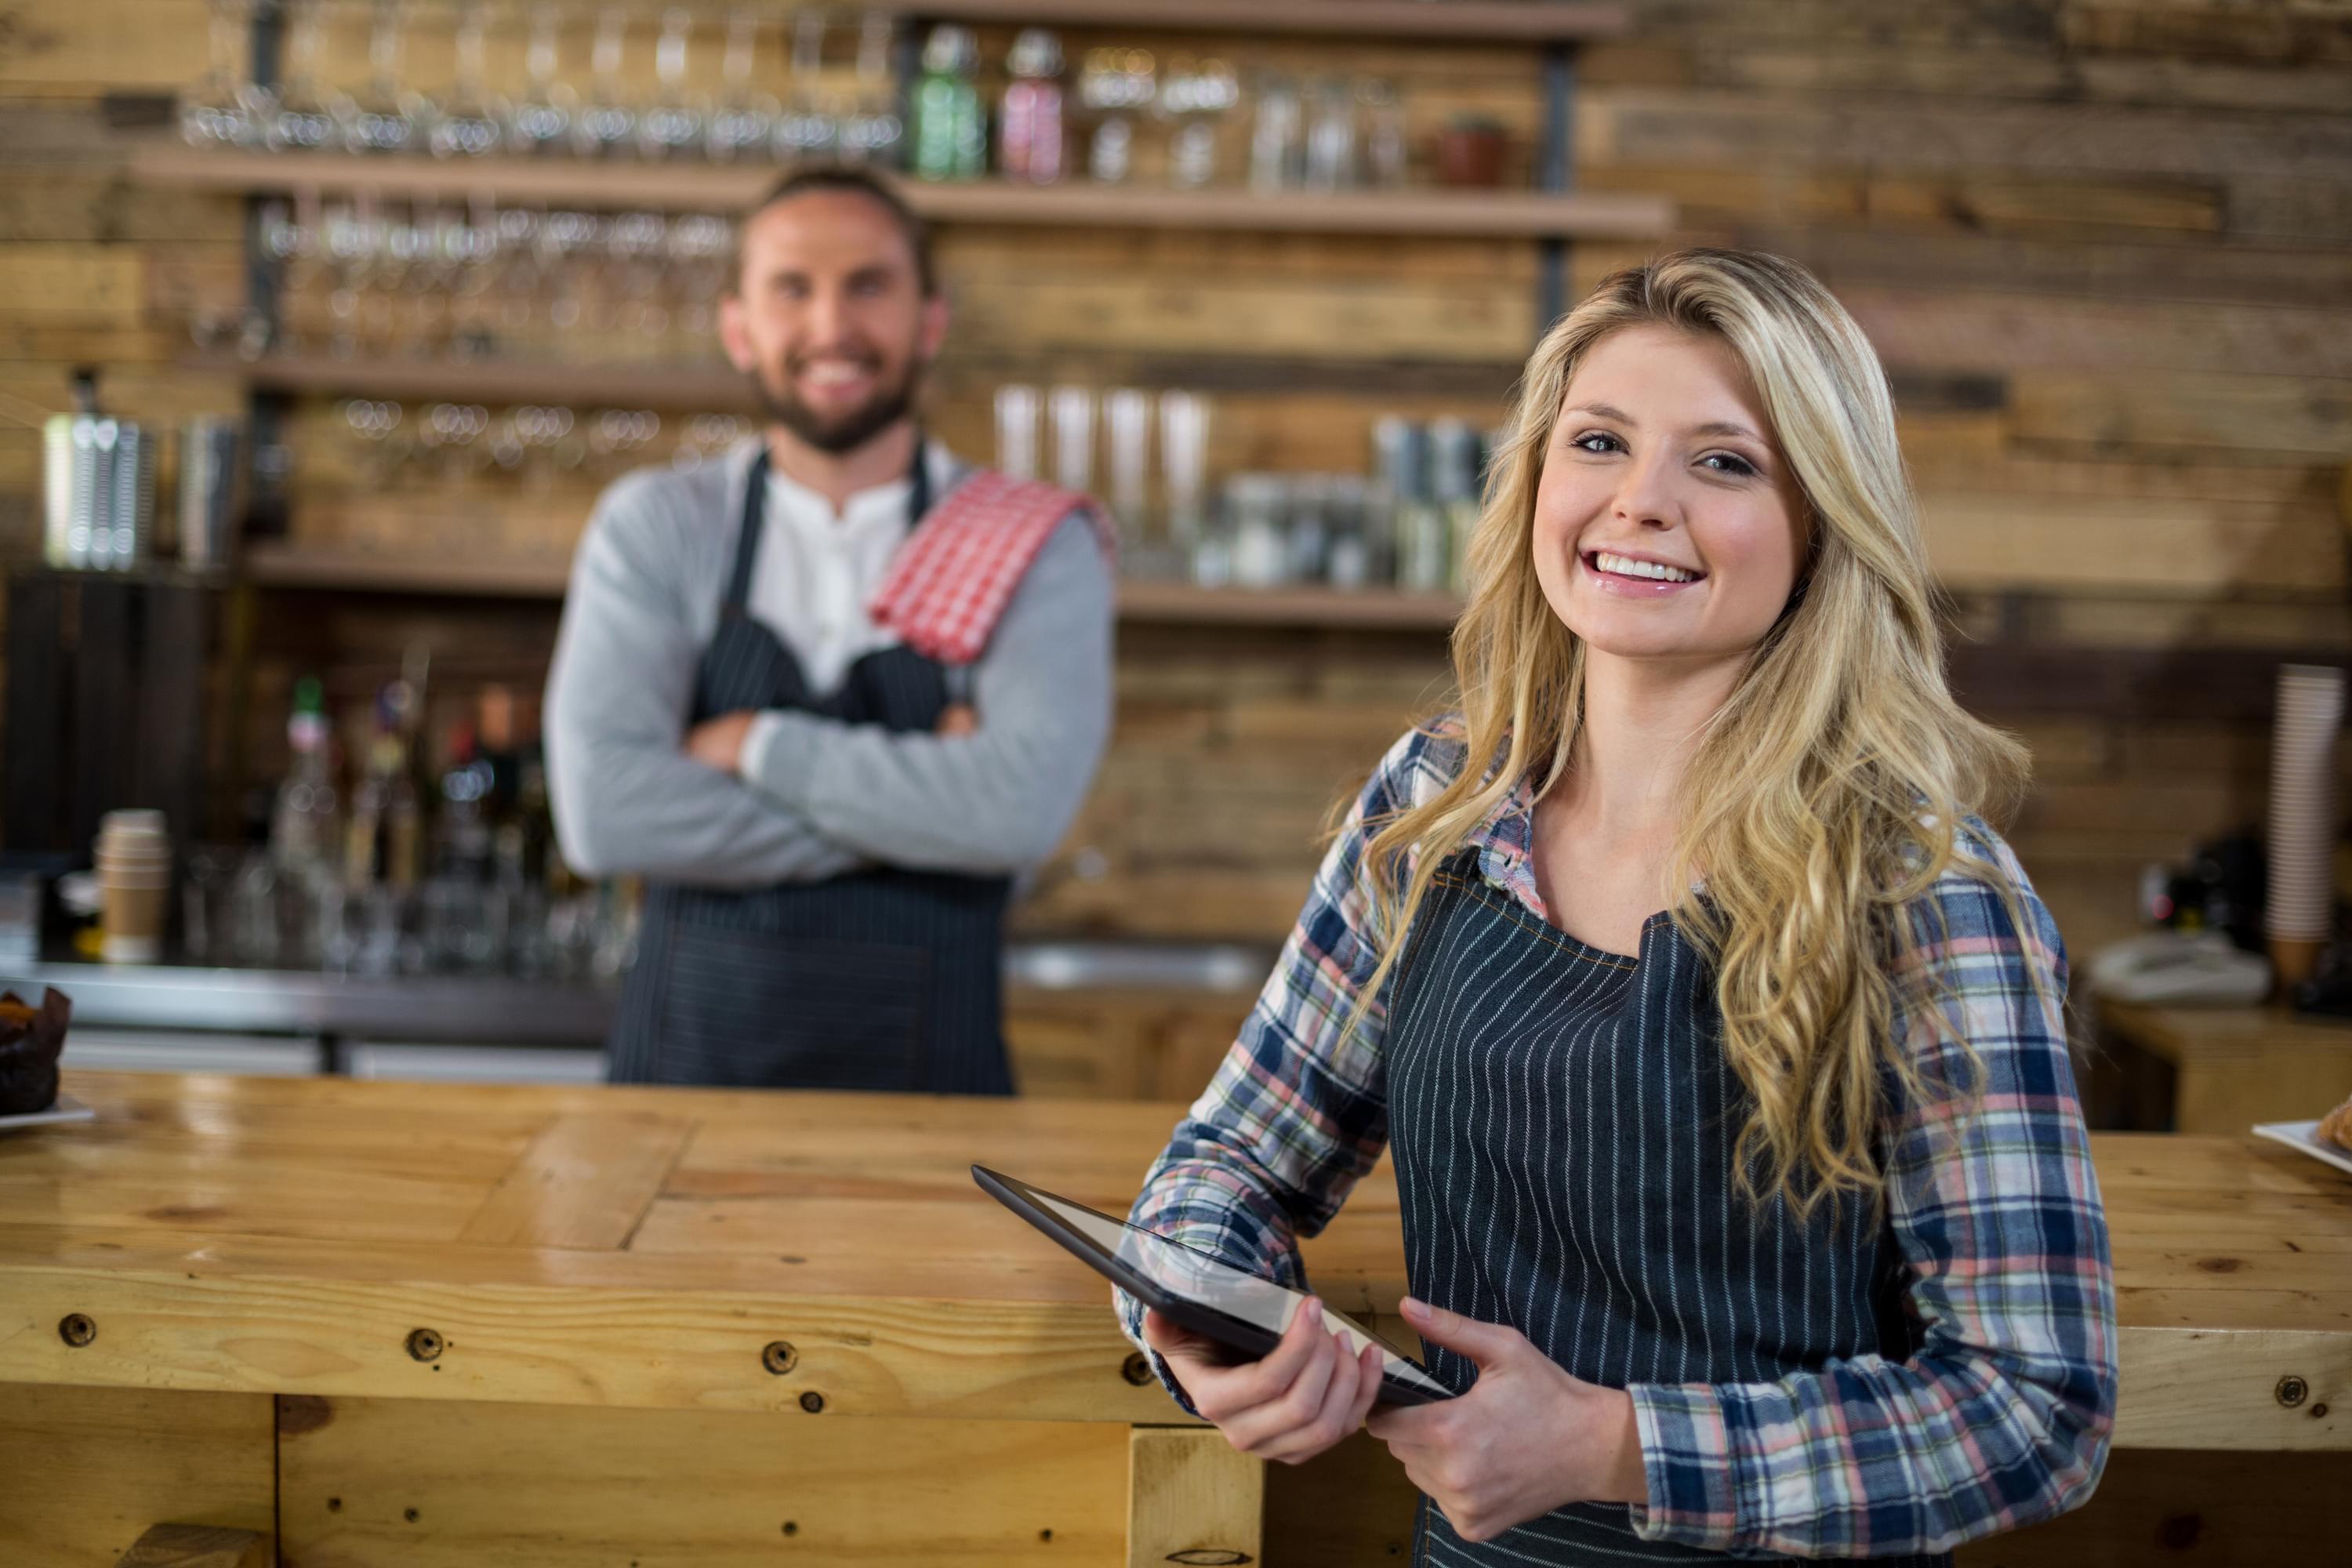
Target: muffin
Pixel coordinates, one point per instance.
(30, 1040)
(2335, 1127)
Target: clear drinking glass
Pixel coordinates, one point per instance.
(1017, 408)
(541, 121)
(1331, 138)
(308, 112)
(672, 126)
(388, 116)
(1073, 414)
(745, 119)
(226, 109)
(1184, 464)
(607, 124)
(1126, 417)
(1277, 157)
(1195, 98)
(872, 132)
(1385, 160)
(807, 128)
(472, 122)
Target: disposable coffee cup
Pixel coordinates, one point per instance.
(131, 918)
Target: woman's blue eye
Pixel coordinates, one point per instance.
(1732, 464)
(1584, 443)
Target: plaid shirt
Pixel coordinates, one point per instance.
(2001, 1418)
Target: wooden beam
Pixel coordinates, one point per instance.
(1192, 1497)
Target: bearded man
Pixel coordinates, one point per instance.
(829, 696)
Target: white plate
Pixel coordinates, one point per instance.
(66, 1108)
(2303, 1136)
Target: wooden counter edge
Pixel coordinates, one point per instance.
(834, 1355)
(2182, 1388)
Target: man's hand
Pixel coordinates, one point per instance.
(1527, 1438)
(719, 743)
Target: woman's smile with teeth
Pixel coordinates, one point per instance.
(1628, 566)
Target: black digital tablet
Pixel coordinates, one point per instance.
(1237, 1309)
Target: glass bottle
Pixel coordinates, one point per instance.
(607, 125)
(302, 823)
(472, 122)
(541, 121)
(1029, 128)
(872, 132)
(388, 116)
(1331, 139)
(1277, 157)
(672, 126)
(950, 142)
(745, 118)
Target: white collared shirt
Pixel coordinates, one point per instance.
(816, 569)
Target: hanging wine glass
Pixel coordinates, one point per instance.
(388, 116)
(307, 112)
(607, 126)
(872, 132)
(542, 123)
(226, 109)
(807, 129)
(745, 119)
(671, 126)
(472, 122)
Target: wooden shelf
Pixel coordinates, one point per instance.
(1522, 214)
(619, 384)
(1460, 21)
(1363, 609)
(1172, 603)
(718, 389)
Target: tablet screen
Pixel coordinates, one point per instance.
(1187, 1271)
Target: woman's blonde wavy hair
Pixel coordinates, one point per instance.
(1826, 791)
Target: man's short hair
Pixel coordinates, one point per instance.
(858, 180)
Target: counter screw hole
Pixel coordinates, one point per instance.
(77, 1330)
(1136, 1370)
(790, 1529)
(813, 1402)
(424, 1344)
(2292, 1391)
(779, 1357)
(2319, 1411)
(409, 1514)
(1045, 1535)
(334, 1505)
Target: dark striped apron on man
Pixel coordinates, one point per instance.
(881, 979)
(1562, 1122)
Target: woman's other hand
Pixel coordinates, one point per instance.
(1526, 1440)
(1300, 1399)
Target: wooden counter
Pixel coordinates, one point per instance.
(408, 1324)
(2234, 1067)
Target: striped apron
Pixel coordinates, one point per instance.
(1562, 1122)
(881, 979)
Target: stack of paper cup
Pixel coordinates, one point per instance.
(2300, 913)
(135, 884)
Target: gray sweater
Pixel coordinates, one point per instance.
(829, 796)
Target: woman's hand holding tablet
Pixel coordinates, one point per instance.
(1291, 1404)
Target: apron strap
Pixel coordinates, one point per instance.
(747, 538)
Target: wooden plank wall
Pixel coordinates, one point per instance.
(2104, 247)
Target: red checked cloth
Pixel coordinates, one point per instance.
(950, 582)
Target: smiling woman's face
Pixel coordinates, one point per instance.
(1668, 526)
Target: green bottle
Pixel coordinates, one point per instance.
(951, 138)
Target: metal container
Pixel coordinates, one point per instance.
(211, 504)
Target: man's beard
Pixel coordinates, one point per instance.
(841, 432)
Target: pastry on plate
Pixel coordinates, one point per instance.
(30, 1039)
(2335, 1127)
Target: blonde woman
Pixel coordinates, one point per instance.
(1719, 1042)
